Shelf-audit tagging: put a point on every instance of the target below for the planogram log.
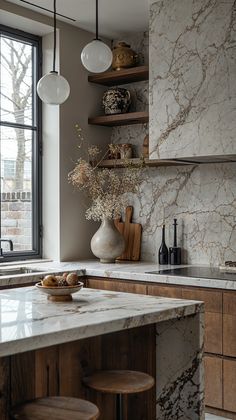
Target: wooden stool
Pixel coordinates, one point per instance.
(119, 382)
(56, 408)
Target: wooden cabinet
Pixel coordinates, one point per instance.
(213, 316)
(220, 334)
(229, 379)
(165, 291)
(229, 324)
(213, 381)
(116, 285)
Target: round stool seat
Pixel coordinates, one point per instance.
(56, 408)
(119, 381)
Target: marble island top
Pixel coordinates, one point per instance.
(29, 321)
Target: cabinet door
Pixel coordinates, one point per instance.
(213, 316)
(229, 369)
(116, 285)
(165, 291)
(229, 322)
(213, 381)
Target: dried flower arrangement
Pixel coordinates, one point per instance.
(106, 188)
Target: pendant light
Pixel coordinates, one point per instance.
(52, 88)
(96, 56)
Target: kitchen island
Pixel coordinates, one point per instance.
(46, 348)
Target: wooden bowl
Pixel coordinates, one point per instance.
(59, 293)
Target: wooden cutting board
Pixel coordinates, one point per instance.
(132, 233)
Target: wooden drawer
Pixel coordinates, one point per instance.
(211, 298)
(229, 324)
(229, 378)
(213, 317)
(213, 381)
(116, 285)
(166, 291)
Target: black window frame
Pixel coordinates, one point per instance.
(36, 128)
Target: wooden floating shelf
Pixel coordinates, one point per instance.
(120, 119)
(121, 163)
(120, 77)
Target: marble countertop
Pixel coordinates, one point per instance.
(121, 270)
(29, 321)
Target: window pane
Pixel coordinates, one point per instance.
(16, 81)
(16, 187)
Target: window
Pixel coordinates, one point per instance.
(20, 143)
(9, 169)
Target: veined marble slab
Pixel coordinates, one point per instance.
(29, 321)
(192, 78)
(202, 198)
(127, 270)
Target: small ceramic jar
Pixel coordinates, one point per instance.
(146, 146)
(116, 101)
(113, 151)
(126, 151)
(123, 56)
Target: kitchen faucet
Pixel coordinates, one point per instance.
(10, 243)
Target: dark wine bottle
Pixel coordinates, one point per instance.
(175, 251)
(163, 250)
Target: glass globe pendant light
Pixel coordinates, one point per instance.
(53, 88)
(96, 56)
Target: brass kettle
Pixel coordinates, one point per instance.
(123, 56)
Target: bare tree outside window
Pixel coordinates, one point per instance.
(16, 59)
(16, 93)
(18, 138)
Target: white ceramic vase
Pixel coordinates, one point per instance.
(107, 243)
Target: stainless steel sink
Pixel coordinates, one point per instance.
(17, 270)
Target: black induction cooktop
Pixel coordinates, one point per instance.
(197, 272)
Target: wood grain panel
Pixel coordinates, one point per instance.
(165, 291)
(212, 299)
(116, 285)
(4, 387)
(229, 369)
(229, 335)
(229, 322)
(22, 377)
(140, 117)
(47, 372)
(213, 333)
(132, 233)
(76, 360)
(229, 303)
(113, 78)
(214, 381)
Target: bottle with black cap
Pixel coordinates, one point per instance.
(163, 250)
(175, 251)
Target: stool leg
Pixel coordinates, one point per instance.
(119, 407)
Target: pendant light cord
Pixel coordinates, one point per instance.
(55, 37)
(96, 19)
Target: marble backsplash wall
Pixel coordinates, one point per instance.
(192, 78)
(203, 198)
